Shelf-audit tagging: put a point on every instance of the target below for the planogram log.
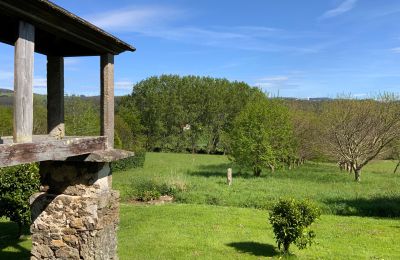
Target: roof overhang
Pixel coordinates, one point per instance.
(57, 31)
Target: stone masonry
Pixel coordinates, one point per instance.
(76, 215)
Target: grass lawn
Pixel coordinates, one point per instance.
(10, 246)
(184, 231)
(214, 221)
(378, 194)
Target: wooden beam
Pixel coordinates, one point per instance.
(23, 80)
(20, 153)
(107, 97)
(110, 155)
(55, 97)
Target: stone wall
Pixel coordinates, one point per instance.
(76, 215)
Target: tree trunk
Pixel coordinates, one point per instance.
(257, 171)
(286, 246)
(397, 166)
(272, 168)
(357, 175)
(20, 226)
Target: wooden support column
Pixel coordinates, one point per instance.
(107, 97)
(55, 97)
(23, 80)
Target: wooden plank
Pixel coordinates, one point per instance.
(103, 156)
(107, 97)
(23, 80)
(55, 97)
(14, 154)
(86, 39)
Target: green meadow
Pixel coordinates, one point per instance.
(211, 220)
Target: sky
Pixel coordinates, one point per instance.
(313, 48)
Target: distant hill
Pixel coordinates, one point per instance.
(6, 97)
(6, 91)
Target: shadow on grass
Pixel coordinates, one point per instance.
(8, 238)
(311, 172)
(255, 248)
(219, 170)
(383, 207)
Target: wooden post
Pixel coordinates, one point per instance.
(229, 176)
(55, 97)
(107, 97)
(23, 80)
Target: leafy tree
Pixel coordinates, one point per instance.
(262, 135)
(169, 103)
(290, 219)
(128, 127)
(357, 131)
(39, 115)
(6, 122)
(82, 117)
(17, 184)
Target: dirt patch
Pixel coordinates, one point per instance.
(162, 200)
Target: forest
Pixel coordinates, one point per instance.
(193, 114)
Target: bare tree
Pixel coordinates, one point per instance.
(357, 131)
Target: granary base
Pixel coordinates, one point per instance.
(77, 213)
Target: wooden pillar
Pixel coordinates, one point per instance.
(23, 80)
(107, 97)
(55, 97)
(229, 176)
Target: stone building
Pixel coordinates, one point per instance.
(75, 216)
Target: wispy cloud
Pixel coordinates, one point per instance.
(135, 18)
(276, 83)
(395, 50)
(344, 7)
(39, 82)
(6, 75)
(124, 85)
(164, 22)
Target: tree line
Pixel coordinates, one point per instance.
(172, 113)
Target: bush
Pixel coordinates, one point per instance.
(290, 220)
(147, 190)
(17, 184)
(136, 161)
(262, 135)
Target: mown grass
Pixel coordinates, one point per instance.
(184, 231)
(334, 191)
(214, 221)
(12, 247)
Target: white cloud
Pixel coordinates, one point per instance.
(123, 85)
(276, 78)
(396, 50)
(39, 82)
(71, 61)
(276, 83)
(161, 22)
(134, 18)
(6, 75)
(344, 7)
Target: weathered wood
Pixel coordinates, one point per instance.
(55, 97)
(229, 176)
(103, 156)
(107, 97)
(55, 150)
(23, 80)
(59, 32)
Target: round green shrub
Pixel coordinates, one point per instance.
(17, 184)
(290, 220)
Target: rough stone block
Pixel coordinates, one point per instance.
(78, 220)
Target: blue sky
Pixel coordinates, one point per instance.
(310, 48)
